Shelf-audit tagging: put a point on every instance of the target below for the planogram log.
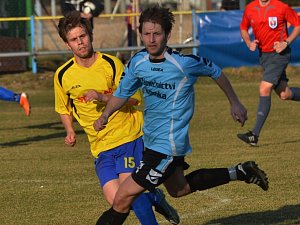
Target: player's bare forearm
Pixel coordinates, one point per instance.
(252, 45)
(246, 37)
(295, 33)
(226, 87)
(280, 46)
(238, 111)
(93, 95)
(113, 105)
(67, 120)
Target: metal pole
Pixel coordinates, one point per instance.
(180, 21)
(28, 28)
(194, 32)
(33, 58)
(137, 10)
(242, 4)
(53, 8)
(38, 10)
(107, 6)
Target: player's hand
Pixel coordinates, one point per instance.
(253, 45)
(239, 113)
(100, 123)
(280, 46)
(70, 139)
(92, 95)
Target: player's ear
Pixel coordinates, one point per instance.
(169, 35)
(68, 46)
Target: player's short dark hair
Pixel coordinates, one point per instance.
(159, 15)
(72, 20)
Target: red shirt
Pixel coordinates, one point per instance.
(269, 23)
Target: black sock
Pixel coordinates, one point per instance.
(296, 93)
(112, 217)
(207, 178)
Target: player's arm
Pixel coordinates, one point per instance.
(280, 46)
(113, 105)
(244, 28)
(92, 95)
(252, 45)
(67, 121)
(63, 108)
(294, 34)
(238, 111)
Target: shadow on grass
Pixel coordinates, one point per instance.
(53, 125)
(28, 140)
(284, 142)
(274, 143)
(287, 215)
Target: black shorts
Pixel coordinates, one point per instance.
(155, 168)
(274, 66)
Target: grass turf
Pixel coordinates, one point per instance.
(44, 182)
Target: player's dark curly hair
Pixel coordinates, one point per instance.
(159, 15)
(72, 20)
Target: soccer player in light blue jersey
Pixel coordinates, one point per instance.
(166, 79)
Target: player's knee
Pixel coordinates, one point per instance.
(285, 95)
(176, 193)
(173, 194)
(121, 203)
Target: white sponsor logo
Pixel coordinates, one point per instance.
(251, 138)
(273, 22)
(153, 176)
(140, 166)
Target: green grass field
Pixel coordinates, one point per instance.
(44, 182)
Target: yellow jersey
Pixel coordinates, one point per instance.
(72, 81)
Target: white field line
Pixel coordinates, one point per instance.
(219, 202)
(47, 182)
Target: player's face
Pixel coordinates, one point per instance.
(79, 42)
(154, 39)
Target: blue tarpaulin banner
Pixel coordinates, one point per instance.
(220, 40)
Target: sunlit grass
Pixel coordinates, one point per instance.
(44, 182)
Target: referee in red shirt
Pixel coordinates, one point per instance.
(268, 19)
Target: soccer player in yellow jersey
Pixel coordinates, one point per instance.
(82, 87)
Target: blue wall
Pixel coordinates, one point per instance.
(220, 40)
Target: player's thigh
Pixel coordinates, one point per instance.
(123, 177)
(127, 192)
(105, 167)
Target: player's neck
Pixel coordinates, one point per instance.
(87, 62)
(264, 2)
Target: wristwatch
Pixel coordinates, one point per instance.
(287, 43)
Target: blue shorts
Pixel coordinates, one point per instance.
(122, 159)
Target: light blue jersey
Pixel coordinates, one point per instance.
(167, 86)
